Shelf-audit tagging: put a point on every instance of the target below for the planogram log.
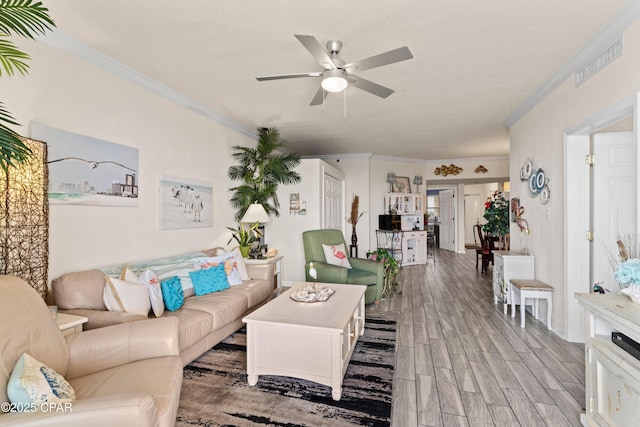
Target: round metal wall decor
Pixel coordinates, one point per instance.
(525, 171)
(537, 181)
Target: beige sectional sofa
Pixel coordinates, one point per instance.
(203, 321)
(123, 375)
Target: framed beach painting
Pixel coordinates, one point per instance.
(185, 203)
(88, 171)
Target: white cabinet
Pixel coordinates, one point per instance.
(612, 375)
(509, 265)
(414, 247)
(408, 247)
(403, 203)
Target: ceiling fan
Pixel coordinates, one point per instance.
(336, 74)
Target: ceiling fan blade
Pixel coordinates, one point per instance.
(370, 86)
(319, 97)
(390, 57)
(289, 76)
(316, 50)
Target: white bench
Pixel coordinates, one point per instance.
(535, 290)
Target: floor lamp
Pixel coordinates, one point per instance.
(24, 218)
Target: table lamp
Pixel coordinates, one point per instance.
(417, 180)
(391, 178)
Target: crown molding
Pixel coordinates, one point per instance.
(340, 156)
(468, 160)
(404, 159)
(72, 46)
(609, 32)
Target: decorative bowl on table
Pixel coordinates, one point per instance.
(312, 293)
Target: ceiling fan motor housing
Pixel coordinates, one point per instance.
(334, 46)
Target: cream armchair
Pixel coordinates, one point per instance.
(128, 374)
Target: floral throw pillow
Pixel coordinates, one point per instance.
(33, 382)
(230, 263)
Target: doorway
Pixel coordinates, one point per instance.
(443, 212)
(595, 196)
(475, 196)
(333, 201)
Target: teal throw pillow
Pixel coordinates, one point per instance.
(209, 280)
(172, 293)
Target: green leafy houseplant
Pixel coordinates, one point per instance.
(262, 169)
(496, 212)
(245, 236)
(391, 270)
(24, 18)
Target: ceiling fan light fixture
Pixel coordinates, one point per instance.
(334, 80)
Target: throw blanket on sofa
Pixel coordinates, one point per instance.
(164, 268)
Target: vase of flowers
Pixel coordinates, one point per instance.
(627, 271)
(353, 220)
(496, 212)
(628, 276)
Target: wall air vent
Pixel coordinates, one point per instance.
(604, 58)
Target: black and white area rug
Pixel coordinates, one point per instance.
(215, 391)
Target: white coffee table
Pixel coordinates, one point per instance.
(312, 341)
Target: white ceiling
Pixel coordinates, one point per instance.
(475, 63)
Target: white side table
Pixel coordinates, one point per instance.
(277, 261)
(70, 323)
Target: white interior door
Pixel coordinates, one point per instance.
(447, 223)
(613, 201)
(473, 211)
(333, 202)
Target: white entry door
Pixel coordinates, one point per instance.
(447, 228)
(613, 201)
(333, 202)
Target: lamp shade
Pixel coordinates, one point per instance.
(334, 80)
(255, 213)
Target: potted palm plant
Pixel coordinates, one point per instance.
(262, 169)
(24, 18)
(245, 237)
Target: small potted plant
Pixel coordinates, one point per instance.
(245, 237)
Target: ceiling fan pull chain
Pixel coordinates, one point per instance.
(345, 104)
(324, 95)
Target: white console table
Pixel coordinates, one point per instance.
(509, 265)
(612, 376)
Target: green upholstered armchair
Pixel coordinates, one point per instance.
(364, 271)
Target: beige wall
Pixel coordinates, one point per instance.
(539, 136)
(357, 172)
(65, 93)
(496, 168)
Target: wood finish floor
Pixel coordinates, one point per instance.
(462, 362)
